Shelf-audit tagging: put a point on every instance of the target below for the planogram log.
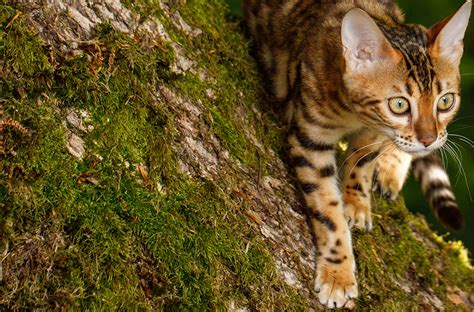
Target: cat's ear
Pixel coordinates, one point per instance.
(446, 37)
(364, 43)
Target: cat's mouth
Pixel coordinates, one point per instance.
(417, 149)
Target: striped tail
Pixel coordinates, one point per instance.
(435, 184)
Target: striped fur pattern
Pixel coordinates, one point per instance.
(353, 68)
(437, 189)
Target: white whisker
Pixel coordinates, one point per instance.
(355, 165)
(463, 139)
(461, 172)
(457, 146)
(387, 152)
(358, 150)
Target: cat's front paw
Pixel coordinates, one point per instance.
(389, 185)
(335, 284)
(358, 215)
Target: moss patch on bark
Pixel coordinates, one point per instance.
(123, 224)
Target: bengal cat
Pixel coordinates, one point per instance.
(352, 67)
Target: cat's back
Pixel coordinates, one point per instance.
(278, 18)
(283, 31)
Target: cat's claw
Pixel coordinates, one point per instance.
(350, 221)
(335, 286)
(388, 194)
(389, 186)
(358, 216)
(368, 225)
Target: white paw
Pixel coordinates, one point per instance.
(389, 185)
(336, 285)
(358, 215)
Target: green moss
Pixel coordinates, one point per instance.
(96, 234)
(222, 53)
(115, 239)
(396, 250)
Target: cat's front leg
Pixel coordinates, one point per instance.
(359, 167)
(313, 155)
(392, 171)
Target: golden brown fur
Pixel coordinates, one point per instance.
(351, 67)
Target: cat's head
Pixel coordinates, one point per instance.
(405, 80)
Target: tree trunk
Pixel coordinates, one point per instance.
(141, 168)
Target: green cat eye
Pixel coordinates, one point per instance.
(446, 102)
(399, 105)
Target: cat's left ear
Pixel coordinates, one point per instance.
(446, 37)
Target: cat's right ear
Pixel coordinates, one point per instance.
(364, 44)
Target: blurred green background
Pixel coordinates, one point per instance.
(428, 13)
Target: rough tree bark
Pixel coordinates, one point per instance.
(264, 188)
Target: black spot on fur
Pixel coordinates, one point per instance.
(333, 261)
(324, 220)
(309, 187)
(300, 161)
(327, 171)
(307, 143)
(366, 159)
(443, 201)
(436, 186)
(372, 102)
(357, 187)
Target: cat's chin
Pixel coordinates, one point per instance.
(420, 154)
(417, 152)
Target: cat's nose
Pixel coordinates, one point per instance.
(426, 140)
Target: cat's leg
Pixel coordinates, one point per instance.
(313, 155)
(392, 171)
(358, 171)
